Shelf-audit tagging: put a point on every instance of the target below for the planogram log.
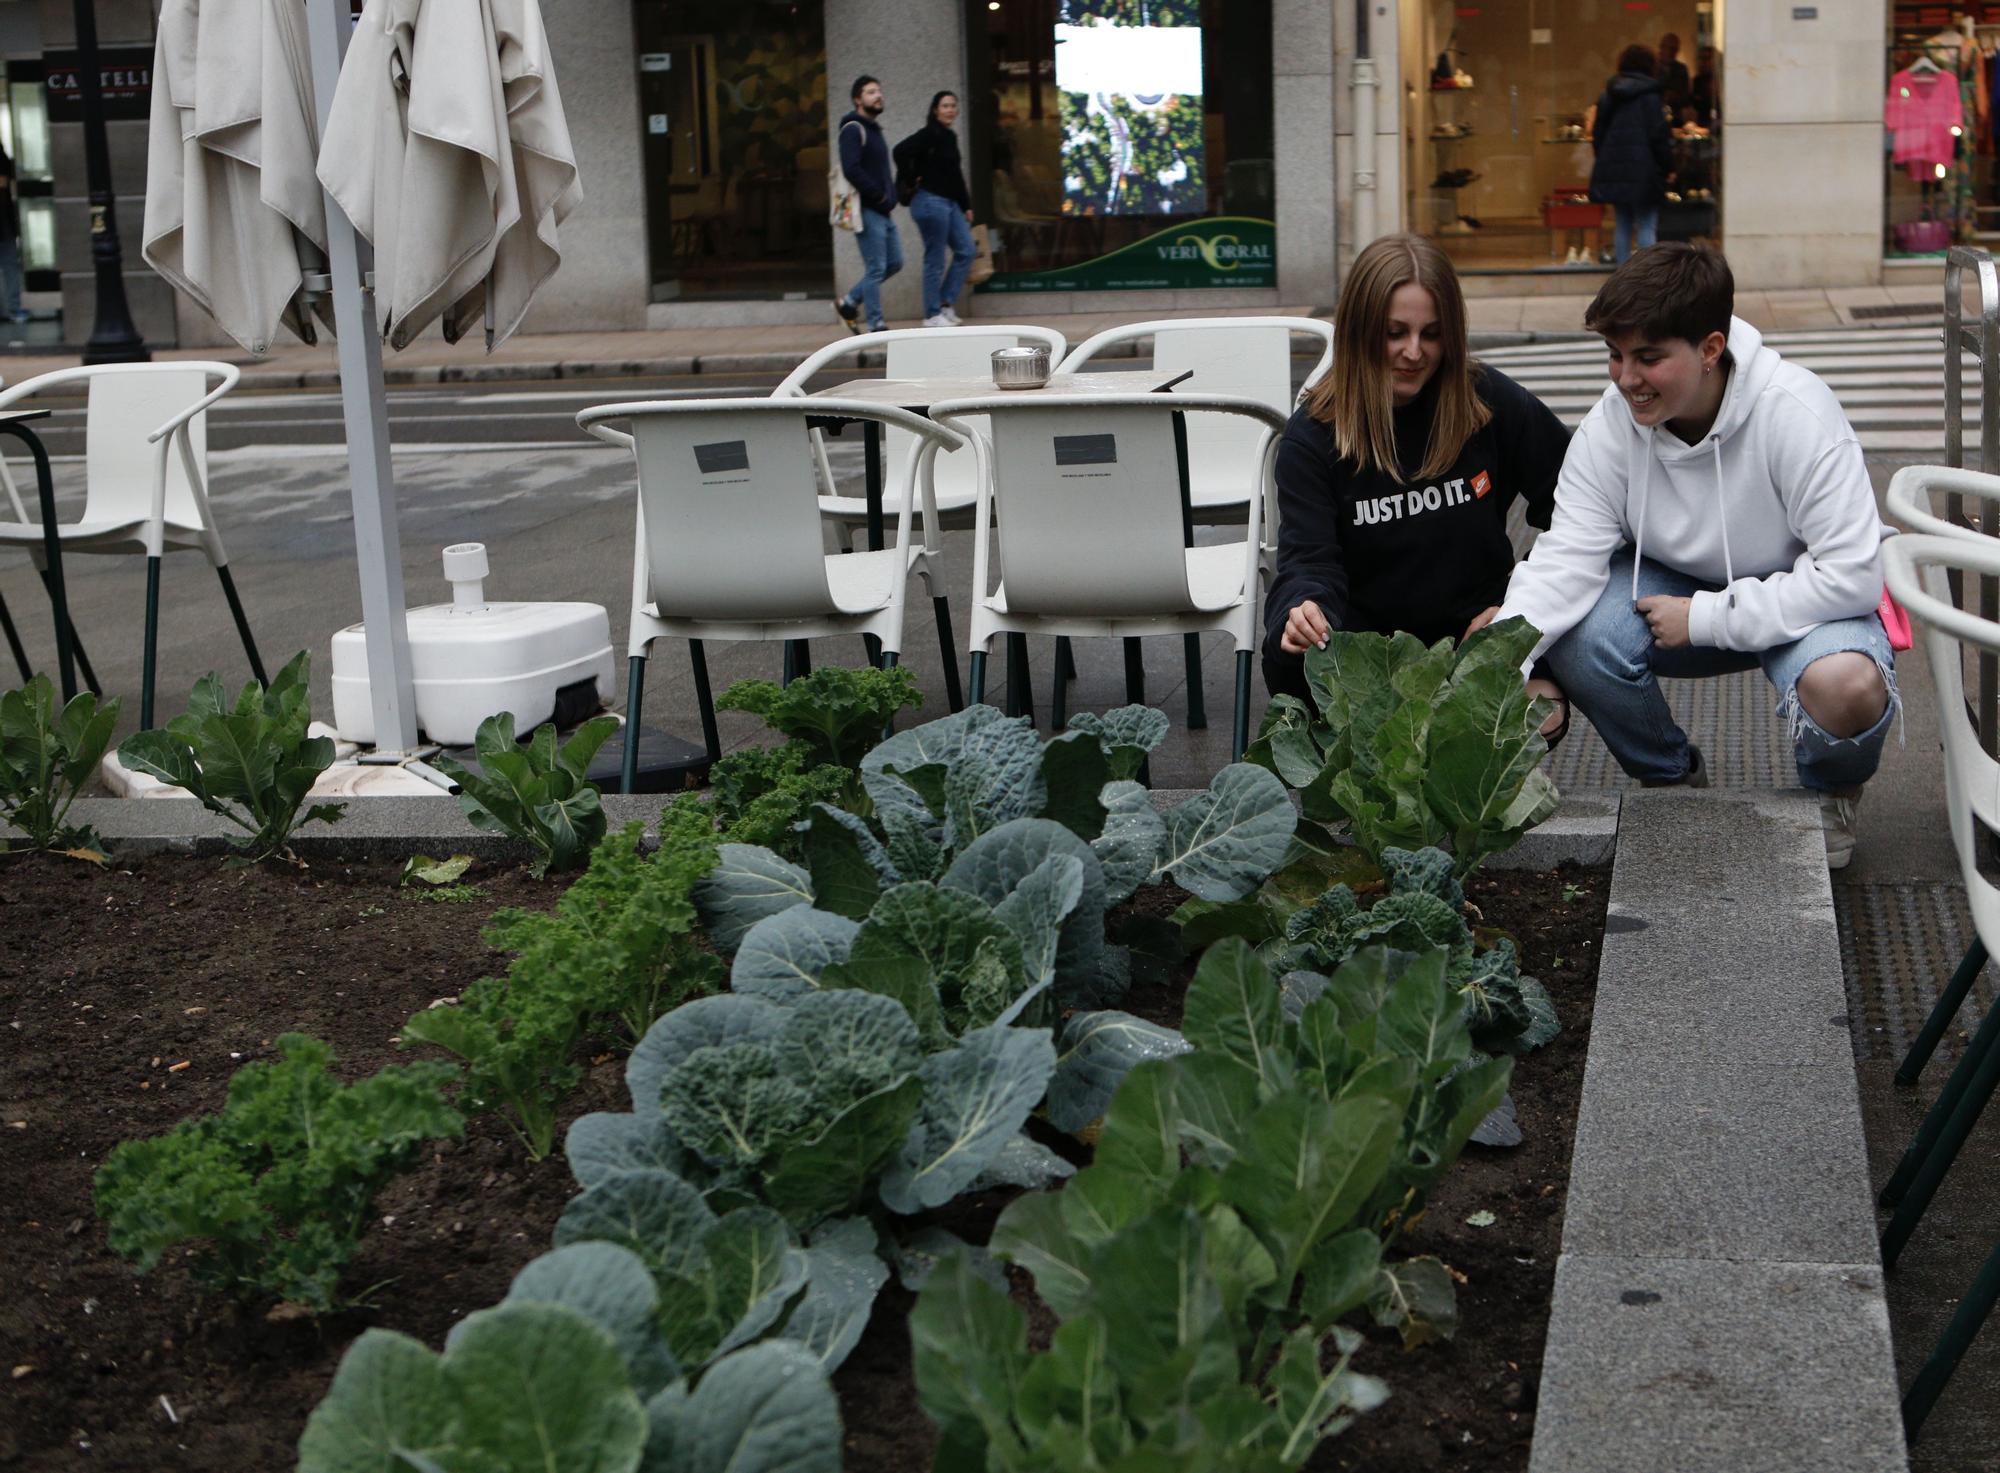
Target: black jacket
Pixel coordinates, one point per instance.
(1420, 555)
(864, 159)
(929, 156)
(1634, 148)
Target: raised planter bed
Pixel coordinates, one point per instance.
(185, 960)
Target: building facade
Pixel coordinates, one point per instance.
(1170, 155)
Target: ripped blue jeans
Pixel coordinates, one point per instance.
(1609, 668)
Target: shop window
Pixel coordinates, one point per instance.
(1499, 99)
(1937, 113)
(24, 130)
(1123, 144)
(733, 130)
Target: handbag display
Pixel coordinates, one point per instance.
(1918, 237)
(844, 200)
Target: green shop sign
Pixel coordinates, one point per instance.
(1220, 250)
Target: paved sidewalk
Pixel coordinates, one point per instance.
(1495, 321)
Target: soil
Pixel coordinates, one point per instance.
(188, 962)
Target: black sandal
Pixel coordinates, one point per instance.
(1554, 738)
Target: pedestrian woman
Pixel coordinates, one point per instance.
(941, 205)
(1396, 475)
(1635, 152)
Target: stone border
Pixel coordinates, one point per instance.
(1718, 1299)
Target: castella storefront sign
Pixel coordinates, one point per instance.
(1223, 250)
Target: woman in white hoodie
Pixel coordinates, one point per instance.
(1713, 514)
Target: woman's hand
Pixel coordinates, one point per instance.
(1479, 621)
(1305, 628)
(1667, 617)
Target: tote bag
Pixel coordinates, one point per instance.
(844, 207)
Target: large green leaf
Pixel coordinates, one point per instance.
(162, 755)
(969, 1342)
(1035, 911)
(609, 1286)
(1223, 843)
(976, 1097)
(843, 1275)
(1034, 1233)
(1308, 1169)
(1232, 1009)
(653, 1214)
(1132, 841)
(848, 864)
(1314, 1404)
(1166, 1335)
(389, 1408)
(540, 1389)
(1127, 734)
(945, 930)
(766, 1409)
(830, 1172)
(707, 1022)
(1416, 1297)
(1075, 770)
(784, 954)
(747, 884)
(997, 863)
(1096, 1052)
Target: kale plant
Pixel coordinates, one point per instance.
(251, 762)
(617, 952)
(836, 715)
(45, 759)
(1414, 747)
(539, 793)
(276, 1187)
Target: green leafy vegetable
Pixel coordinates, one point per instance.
(538, 793)
(45, 759)
(838, 714)
(277, 1185)
(250, 762)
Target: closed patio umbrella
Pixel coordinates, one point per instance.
(234, 217)
(447, 147)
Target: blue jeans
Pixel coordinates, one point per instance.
(944, 226)
(881, 258)
(1609, 668)
(1647, 220)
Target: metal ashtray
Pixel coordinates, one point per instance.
(1020, 368)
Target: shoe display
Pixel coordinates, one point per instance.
(1837, 817)
(848, 313)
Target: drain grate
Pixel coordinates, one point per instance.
(1729, 717)
(1898, 946)
(1898, 309)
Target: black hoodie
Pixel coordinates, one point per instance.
(864, 159)
(1418, 555)
(1635, 151)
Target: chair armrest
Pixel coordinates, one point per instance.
(230, 375)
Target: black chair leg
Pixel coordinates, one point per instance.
(976, 688)
(1952, 1345)
(798, 660)
(1067, 653)
(1947, 1007)
(635, 694)
(705, 699)
(14, 643)
(147, 669)
(1938, 1159)
(871, 649)
(1020, 697)
(1197, 698)
(1135, 673)
(1065, 664)
(1239, 738)
(76, 646)
(242, 623)
(953, 695)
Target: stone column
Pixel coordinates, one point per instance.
(1802, 183)
(1302, 101)
(914, 48)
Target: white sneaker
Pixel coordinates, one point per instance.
(1837, 817)
(951, 317)
(937, 320)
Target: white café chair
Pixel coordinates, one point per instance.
(1244, 357)
(913, 353)
(1916, 568)
(729, 544)
(1083, 492)
(140, 495)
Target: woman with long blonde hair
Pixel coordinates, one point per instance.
(1396, 475)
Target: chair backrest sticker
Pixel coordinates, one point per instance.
(720, 457)
(1086, 449)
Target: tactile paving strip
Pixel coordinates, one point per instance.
(1728, 716)
(1898, 947)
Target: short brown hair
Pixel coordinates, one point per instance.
(1674, 290)
(1357, 397)
(1638, 58)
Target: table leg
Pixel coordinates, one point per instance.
(871, 457)
(1197, 716)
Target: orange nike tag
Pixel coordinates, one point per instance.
(1481, 484)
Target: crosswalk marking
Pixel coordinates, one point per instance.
(1890, 381)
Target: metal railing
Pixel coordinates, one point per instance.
(1981, 339)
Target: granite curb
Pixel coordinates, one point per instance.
(1718, 1299)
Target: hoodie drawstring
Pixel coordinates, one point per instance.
(1639, 522)
(1722, 517)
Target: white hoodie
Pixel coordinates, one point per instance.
(1773, 504)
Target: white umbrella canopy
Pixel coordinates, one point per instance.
(233, 217)
(447, 147)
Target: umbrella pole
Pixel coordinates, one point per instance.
(364, 406)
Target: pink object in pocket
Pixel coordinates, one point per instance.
(1895, 622)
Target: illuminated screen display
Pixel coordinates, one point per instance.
(1129, 74)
